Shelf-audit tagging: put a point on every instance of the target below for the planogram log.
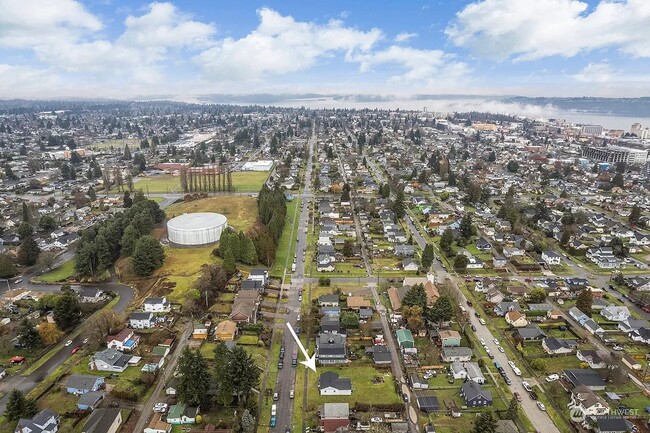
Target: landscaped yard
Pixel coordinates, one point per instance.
(62, 273)
(363, 388)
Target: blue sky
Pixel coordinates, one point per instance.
(69, 48)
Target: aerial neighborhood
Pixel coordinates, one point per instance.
(173, 267)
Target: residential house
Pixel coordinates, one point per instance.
(615, 314)
(405, 339)
(331, 349)
(91, 294)
(578, 315)
(417, 381)
(79, 384)
(631, 362)
(157, 425)
(516, 319)
(105, 420)
(555, 346)
(591, 357)
(483, 245)
(90, 400)
(456, 354)
(334, 416)
(591, 326)
(409, 264)
(610, 424)
(530, 332)
(503, 307)
(554, 314)
(457, 370)
(331, 300)
(586, 401)
(404, 250)
(330, 383)
(251, 285)
(172, 387)
(474, 372)
(125, 340)
(324, 263)
(499, 262)
(427, 402)
(110, 360)
(474, 395)
(642, 335)
(261, 275)
(200, 331)
(142, 320)
(245, 306)
(156, 305)
(226, 330)
(584, 376)
(551, 258)
(330, 324)
(449, 338)
(380, 354)
(46, 421)
(182, 414)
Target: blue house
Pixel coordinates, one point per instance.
(90, 400)
(79, 384)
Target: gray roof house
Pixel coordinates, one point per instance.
(330, 349)
(110, 360)
(330, 383)
(45, 421)
(475, 395)
(105, 420)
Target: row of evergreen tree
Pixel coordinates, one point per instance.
(123, 234)
(271, 211)
(206, 179)
(236, 247)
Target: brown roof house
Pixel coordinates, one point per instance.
(334, 416)
(516, 319)
(358, 302)
(225, 331)
(244, 309)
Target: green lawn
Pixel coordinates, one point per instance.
(241, 211)
(287, 243)
(249, 181)
(242, 181)
(62, 273)
(363, 390)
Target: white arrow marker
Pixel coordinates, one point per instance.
(310, 362)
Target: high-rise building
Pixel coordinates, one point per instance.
(615, 154)
(636, 128)
(591, 130)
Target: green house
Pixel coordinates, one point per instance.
(405, 339)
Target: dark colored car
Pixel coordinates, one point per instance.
(533, 395)
(474, 328)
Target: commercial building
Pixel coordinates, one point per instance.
(614, 154)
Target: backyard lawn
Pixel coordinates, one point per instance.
(363, 388)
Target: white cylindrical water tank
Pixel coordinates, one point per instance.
(200, 228)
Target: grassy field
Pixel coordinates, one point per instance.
(183, 266)
(133, 143)
(363, 390)
(241, 211)
(242, 181)
(61, 273)
(287, 243)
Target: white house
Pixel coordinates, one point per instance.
(330, 383)
(142, 320)
(551, 258)
(125, 340)
(457, 370)
(587, 402)
(156, 305)
(615, 314)
(110, 360)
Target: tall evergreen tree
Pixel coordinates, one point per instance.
(67, 311)
(19, 407)
(28, 252)
(148, 255)
(194, 379)
(584, 301)
(416, 296)
(399, 205)
(28, 336)
(486, 422)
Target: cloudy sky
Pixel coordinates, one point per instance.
(123, 49)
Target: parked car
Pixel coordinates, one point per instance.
(67, 343)
(276, 397)
(291, 393)
(481, 321)
(273, 421)
(501, 349)
(552, 377)
(474, 328)
(526, 386)
(541, 406)
(160, 407)
(75, 350)
(617, 347)
(517, 396)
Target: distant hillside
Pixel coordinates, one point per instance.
(633, 107)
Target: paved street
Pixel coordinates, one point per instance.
(167, 371)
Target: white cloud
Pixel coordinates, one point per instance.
(595, 73)
(29, 23)
(405, 36)
(423, 66)
(282, 45)
(533, 29)
(26, 82)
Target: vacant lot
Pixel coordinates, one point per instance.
(61, 273)
(242, 181)
(241, 211)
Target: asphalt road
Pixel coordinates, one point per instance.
(286, 378)
(27, 383)
(540, 420)
(168, 370)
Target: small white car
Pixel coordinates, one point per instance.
(526, 386)
(482, 341)
(541, 406)
(376, 419)
(501, 349)
(291, 393)
(160, 407)
(67, 343)
(298, 318)
(511, 364)
(481, 321)
(517, 371)
(552, 377)
(496, 342)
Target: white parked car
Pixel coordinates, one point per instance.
(160, 407)
(496, 341)
(511, 364)
(376, 419)
(501, 349)
(67, 343)
(552, 377)
(517, 371)
(481, 321)
(541, 406)
(482, 341)
(526, 386)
